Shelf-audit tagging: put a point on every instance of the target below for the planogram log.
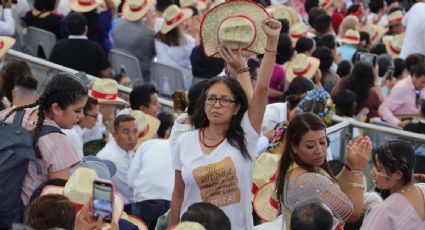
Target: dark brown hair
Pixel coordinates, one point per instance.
(51, 211)
(297, 128)
(10, 73)
(172, 38)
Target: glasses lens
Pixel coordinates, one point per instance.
(211, 100)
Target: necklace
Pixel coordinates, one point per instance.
(406, 189)
(202, 139)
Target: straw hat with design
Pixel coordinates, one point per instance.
(375, 32)
(298, 30)
(5, 44)
(265, 202)
(393, 44)
(351, 37)
(134, 10)
(106, 91)
(147, 126)
(173, 16)
(395, 17)
(235, 24)
(302, 66)
(83, 6)
(79, 189)
(199, 4)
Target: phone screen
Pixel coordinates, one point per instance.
(367, 57)
(102, 200)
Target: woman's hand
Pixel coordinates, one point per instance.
(272, 28)
(234, 60)
(358, 153)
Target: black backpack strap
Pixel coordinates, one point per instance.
(47, 129)
(19, 117)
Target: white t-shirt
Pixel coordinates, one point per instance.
(151, 175)
(223, 178)
(415, 31)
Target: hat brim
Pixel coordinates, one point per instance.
(187, 13)
(153, 129)
(386, 40)
(82, 9)
(315, 63)
(8, 42)
(136, 221)
(380, 32)
(212, 20)
(261, 204)
(347, 41)
(118, 205)
(294, 40)
(134, 16)
(116, 101)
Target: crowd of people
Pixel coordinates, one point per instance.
(245, 144)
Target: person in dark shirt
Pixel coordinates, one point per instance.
(420, 126)
(79, 53)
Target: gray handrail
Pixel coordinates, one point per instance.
(51, 65)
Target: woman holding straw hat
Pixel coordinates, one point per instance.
(214, 163)
(173, 46)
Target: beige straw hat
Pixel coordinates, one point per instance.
(265, 202)
(134, 10)
(173, 16)
(395, 17)
(146, 124)
(83, 6)
(5, 44)
(298, 30)
(106, 92)
(265, 170)
(375, 32)
(234, 24)
(351, 37)
(198, 4)
(393, 44)
(302, 66)
(79, 189)
(283, 12)
(216, 3)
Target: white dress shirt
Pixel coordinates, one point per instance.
(414, 36)
(122, 160)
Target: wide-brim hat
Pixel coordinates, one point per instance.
(375, 32)
(147, 125)
(302, 65)
(83, 6)
(395, 17)
(283, 12)
(266, 166)
(105, 169)
(351, 37)
(5, 44)
(79, 189)
(173, 16)
(235, 24)
(198, 4)
(299, 29)
(393, 44)
(106, 92)
(265, 203)
(134, 10)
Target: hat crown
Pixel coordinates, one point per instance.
(135, 3)
(106, 86)
(300, 63)
(397, 41)
(352, 33)
(395, 15)
(141, 119)
(79, 187)
(298, 28)
(236, 32)
(171, 12)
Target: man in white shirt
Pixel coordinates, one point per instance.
(151, 175)
(120, 150)
(7, 23)
(415, 30)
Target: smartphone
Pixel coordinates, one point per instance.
(390, 74)
(103, 196)
(367, 57)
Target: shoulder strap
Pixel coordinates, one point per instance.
(19, 117)
(47, 129)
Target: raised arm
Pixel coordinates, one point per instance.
(258, 102)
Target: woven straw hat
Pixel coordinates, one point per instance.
(265, 170)
(199, 4)
(79, 189)
(395, 17)
(146, 124)
(173, 16)
(134, 10)
(393, 44)
(325, 3)
(351, 37)
(216, 3)
(298, 30)
(106, 91)
(302, 66)
(265, 203)
(234, 24)
(283, 12)
(375, 32)
(83, 6)
(5, 44)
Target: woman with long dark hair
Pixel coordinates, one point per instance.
(214, 163)
(305, 175)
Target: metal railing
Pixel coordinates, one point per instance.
(43, 70)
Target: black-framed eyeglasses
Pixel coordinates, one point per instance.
(223, 101)
(91, 115)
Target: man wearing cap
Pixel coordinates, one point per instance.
(141, 42)
(415, 30)
(120, 150)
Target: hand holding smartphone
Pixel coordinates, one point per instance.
(103, 197)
